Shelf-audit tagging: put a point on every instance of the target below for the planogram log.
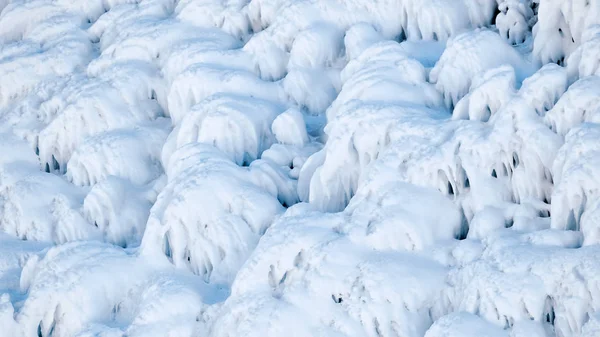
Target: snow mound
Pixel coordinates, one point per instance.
(91, 107)
(209, 216)
(310, 89)
(561, 28)
(240, 126)
(279, 23)
(36, 38)
(358, 38)
(544, 88)
(36, 205)
(565, 277)
(488, 93)
(200, 81)
(120, 209)
(368, 105)
(584, 61)
(470, 54)
(73, 290)
(317, 46)
(227, 15)
(343, 264)
(578, 105)
(131, 154)
(44, 207)
(289, 128)
(576, 183)
(293, 272)
(392, 214)
(515, 20)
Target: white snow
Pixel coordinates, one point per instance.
(414, 168)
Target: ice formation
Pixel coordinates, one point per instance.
(415, 168)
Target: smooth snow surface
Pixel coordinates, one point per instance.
(268, 168)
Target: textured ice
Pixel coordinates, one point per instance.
(415, 168)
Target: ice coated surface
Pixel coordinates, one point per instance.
(268, 168)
